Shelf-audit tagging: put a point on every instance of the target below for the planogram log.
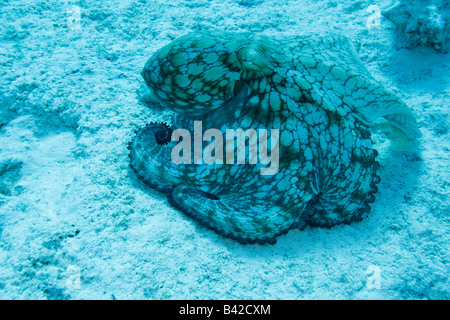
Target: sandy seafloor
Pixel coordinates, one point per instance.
(75, 223)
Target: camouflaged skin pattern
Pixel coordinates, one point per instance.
(316, 92)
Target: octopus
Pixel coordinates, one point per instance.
(315, 91)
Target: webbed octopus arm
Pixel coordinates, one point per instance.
(247, 218)
(234, 201)
(332, 73)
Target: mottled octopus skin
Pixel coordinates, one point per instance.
(315, 91)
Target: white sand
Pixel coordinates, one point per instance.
(76, 223)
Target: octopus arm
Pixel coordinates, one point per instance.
(240, 217)
(338, 81)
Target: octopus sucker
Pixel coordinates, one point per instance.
(314, 92)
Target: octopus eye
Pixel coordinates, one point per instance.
(254, 57)
(163, 133)
(254, 61)
(251, 58)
